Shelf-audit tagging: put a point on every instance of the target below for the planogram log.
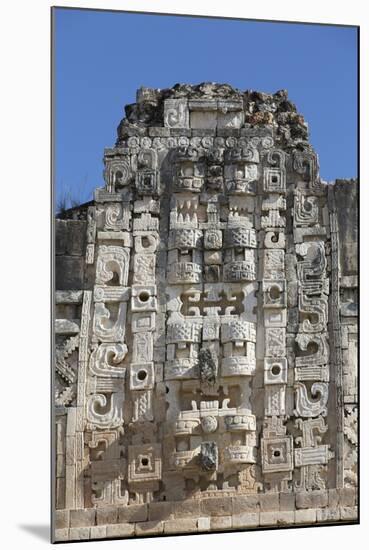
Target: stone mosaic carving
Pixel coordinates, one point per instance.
(206, 357)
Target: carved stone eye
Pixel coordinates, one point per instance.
(276, 370)
(274, 293)
(144, 296)
(141, 375)
(145, 242)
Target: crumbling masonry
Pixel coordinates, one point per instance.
(206, 333)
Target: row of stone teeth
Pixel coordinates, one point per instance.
(181, 217)
(186, 218)
(237, 214)
(236, 208)
(187, 203)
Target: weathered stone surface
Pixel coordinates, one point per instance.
(313, 499)
(133, 513)
(67, 326)
(249, 503)
(216, 506)
(203, 524)
(69, 272)
(347, 496)
(287, 501)
(345, 192)
(277, 518)
(206, 326)
(245, 520)
(269, 502)
(149, 528)
(98, 532)
(208, 366)
(208, 457)
(189, 508)
(106, 516)
(61, 535)
(160, 510)
(70, 237)
(348, 513)
(76, 241)
(308, 515)
(120, 530)
(326, 514)
(79, 533)
(61, 519)
(68, 296)
(180, 525)
(333, 498)
(82, 518)
(220, 523)
(61, 237)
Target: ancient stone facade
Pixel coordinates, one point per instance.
(206, 329)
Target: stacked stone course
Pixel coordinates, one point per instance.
(206, 335)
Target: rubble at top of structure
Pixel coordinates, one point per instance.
(214, 107)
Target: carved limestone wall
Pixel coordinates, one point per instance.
(206, 335)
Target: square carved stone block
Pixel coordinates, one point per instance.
(275, 317)
(176, 114)
(213, 239)
(274, 180)
(275, 342)
(274, 293)
(144, 298)
(144, 463)
(143, 322)
(277, 454)
(141, 376)
(275, 370)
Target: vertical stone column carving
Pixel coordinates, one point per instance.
(312, 350)
(107, 351)
(211, 268)
(343, 335)
(277, 446)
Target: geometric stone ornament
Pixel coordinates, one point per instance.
(309, 408)
(141, 376)
(274, 294)
(277, 454)
(144, 463)
(275, 400)
(275, 370)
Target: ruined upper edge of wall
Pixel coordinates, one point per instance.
(255, 109)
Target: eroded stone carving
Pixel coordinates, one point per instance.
(112, 264)
(106, 410)
(305, 407)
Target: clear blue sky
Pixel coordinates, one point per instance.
(101, 58)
